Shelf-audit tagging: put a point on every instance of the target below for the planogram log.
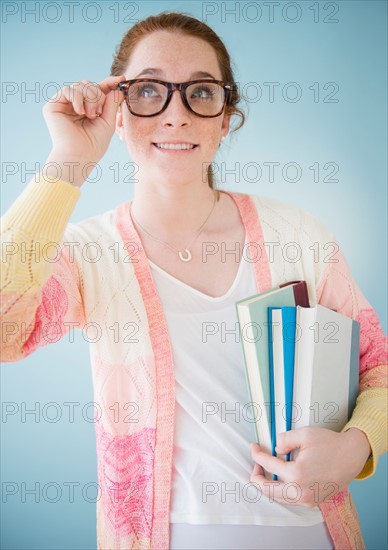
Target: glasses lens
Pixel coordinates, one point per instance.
(146, 98)
(205, 98)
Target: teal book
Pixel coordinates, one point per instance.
(252, 317)
(282, 334)
(272, 399)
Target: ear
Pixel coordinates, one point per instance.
(225, 125)
(119, 123)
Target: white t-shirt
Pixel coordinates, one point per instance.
(212, 462)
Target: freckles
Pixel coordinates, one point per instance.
(141, 132)
(212, 140)
(138, 135)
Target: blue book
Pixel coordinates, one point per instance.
(289, 337)
(282, 335)
(271, 385)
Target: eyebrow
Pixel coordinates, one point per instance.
(197, 74)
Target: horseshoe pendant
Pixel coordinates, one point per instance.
(186, 258)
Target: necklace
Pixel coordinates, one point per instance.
(184, 255)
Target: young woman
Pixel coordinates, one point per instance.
(171, 263)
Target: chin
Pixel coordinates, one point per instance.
(173, 177)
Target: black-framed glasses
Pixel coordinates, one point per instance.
(147, 97)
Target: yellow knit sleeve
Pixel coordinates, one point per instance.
(43, 208)
(35, 222)
(370, 415)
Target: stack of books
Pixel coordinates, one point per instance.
(301, 363)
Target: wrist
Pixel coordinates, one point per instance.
(71, 170)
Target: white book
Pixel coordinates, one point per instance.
(326, 373)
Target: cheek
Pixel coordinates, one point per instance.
(213, 128)
(138, 134)
(210, 137)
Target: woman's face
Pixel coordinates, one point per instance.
(174, 57)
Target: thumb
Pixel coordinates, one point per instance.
(114, 98)
(287, 441)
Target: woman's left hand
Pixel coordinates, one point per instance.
(326, 463)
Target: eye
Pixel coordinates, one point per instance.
(147, 91)
(202, 92)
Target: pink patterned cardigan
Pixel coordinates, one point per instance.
(101, 278)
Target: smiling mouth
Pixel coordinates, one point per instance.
(175, 146)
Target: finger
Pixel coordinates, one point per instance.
(110, 83)
(87, 98)
(93, 96)
(76, 98)
(113, 97)
(279, 491)
(287, 441)
(257, 470)
(258, 477)
(273, 490)
(272, 464)
(112, 102)
(68, 100)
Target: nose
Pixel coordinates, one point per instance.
(176, 113)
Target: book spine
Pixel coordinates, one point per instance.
(271, 386)
(289, 337)
(239, 318)
(354, 367)
(301, 295)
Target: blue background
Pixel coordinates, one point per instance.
(343, 43)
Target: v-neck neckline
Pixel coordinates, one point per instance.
(253, 234)
(197, 292)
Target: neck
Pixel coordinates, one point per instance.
(170, 210)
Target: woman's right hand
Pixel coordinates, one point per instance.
(81, 119)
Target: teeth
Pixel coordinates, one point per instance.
(176, 146)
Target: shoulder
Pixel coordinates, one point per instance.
(101, 227)
(280, 218)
